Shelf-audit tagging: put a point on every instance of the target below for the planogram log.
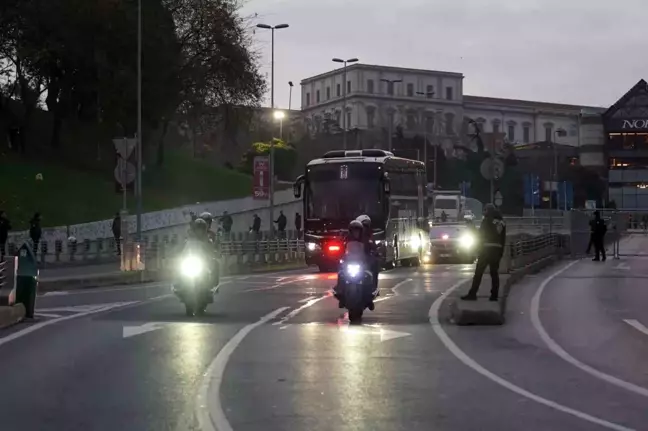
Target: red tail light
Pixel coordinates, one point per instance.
(333, 248)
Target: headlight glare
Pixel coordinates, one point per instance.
(353, 270)
(191, 266)
(467, 241)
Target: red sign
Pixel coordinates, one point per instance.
(261, 184)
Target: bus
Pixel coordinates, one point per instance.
(342, 185)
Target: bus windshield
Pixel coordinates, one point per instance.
(344, 200)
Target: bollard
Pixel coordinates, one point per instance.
(27, 279)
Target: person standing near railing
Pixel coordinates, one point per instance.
(492, 236)
(5, 227)
(598, 231)
(281, 225)
(116, 231)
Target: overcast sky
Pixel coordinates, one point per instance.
(571, 51)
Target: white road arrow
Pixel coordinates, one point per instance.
(385, 334)
(622, 265)
(131, 331)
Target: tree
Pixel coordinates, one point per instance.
(285, 158)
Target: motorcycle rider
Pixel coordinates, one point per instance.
(371, 249)
(201, 235)
(209, 218)
(355, 234)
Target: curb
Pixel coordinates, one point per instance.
(11, 315)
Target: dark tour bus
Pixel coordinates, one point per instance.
(343, 185)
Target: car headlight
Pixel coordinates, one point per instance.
(191, 266)
(353, 270)
(311, 246)
(467, 241)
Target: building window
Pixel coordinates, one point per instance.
(511, 132)
(429, 91)
(449, 123)
(410, 90)
(496, 127)
(573, 130)
(307, 99)
(371, 117)
(526, 134)
(479, 124)
(429, 123)
(338, 117)
(411, 121)
(348, 87)
(549, 132)
(328, 93)
(337, 90)
(348, 124)
(448, 93)
(317, 96)
(390, 88)
(370, 86)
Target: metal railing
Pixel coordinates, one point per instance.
(523, 250)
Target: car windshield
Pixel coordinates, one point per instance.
(451, 231)
(445, 204)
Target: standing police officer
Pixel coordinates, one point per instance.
(492, 233)
(598, 229)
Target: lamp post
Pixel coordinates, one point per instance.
(424, 127)
(554, 176)
(344, 96)
(390, 83)
(290, 83)
(272, 180)
(138, 183)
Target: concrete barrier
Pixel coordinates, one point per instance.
(10, 315)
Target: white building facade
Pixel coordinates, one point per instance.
(381, 98)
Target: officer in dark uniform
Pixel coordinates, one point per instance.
(492, 236)
(598, 231)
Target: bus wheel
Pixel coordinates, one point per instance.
(415, 261)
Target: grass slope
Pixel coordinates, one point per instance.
(67, 196)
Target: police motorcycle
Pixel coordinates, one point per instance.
(197, 279)
(355, 288)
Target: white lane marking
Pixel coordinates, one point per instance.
(637, 325)
(209, 409)
(399, 285)
(562, 353)
(275, 286)
(131, 331)
(384, 298)
(296, 311)
(301, 301)
(622, 265)
(47, 315)
(470, 362)
(41, 325)
(55, 293)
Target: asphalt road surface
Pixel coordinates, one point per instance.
(275, 353)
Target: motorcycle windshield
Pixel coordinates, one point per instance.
(354, 252)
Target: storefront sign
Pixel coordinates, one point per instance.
(635, 124)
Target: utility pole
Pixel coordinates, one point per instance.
(272, 105)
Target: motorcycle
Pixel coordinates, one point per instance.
(356, 281)
(197, 282)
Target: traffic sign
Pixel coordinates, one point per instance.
(125, 146)
(125, 172)
(499, 199)
(261, 184)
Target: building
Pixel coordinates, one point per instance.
(380, 99)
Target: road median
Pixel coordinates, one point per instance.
(10, 315)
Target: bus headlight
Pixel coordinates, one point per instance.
(191, 266)
(415, 242)
(467, 241)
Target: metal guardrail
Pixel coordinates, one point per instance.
(523, 250)
(7, 281)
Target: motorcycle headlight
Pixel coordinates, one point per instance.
(311, 246)
(191, 266)
(353, 270)
(467, 240)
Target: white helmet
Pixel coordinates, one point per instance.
(365, 220)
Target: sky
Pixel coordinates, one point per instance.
(587, 52)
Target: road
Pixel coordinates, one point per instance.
(275, 353)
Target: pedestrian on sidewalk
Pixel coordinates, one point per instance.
(281, 221)
(5, 228)
(117, 232)
(35, 231)
(598, 231)
(492, 236)
(256, 227)
(298, 224)
(226, 223)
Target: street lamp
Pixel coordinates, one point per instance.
(272, 105)
(554, 176)
(138, 183)
(344, 96)
(290, 83)
(390, 83)
(279, 116)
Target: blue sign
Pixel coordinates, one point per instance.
(531, 190)
(565, 195)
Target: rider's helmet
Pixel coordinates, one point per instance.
(208, 218)
(200, 228)
(365, 220)
(355, 230)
